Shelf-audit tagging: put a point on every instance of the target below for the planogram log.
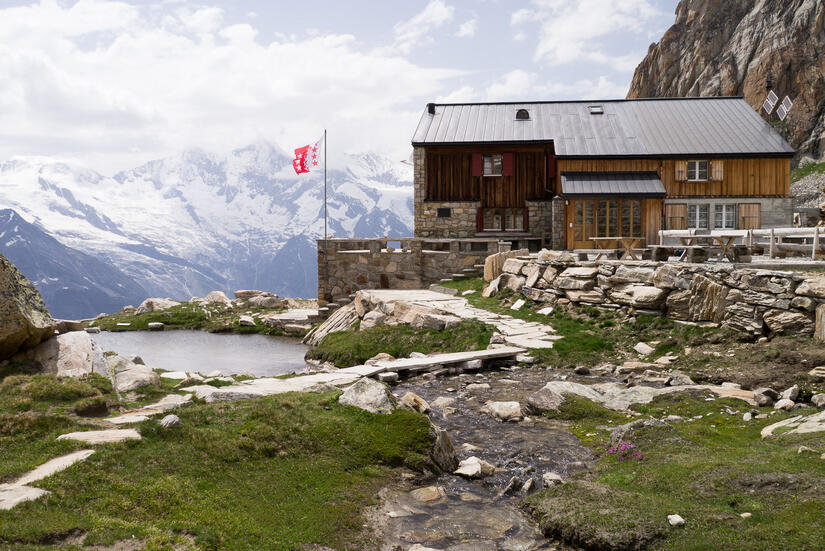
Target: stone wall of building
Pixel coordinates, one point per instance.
(461, 222)
(760, 302)
(349, 265)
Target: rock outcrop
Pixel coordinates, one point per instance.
(735, 48)
(155, 305)
(68, 355)
(24, 320)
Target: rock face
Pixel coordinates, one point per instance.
(734, 48)
(129, 375)
(369, 395)
(69, 355)
(24, 320)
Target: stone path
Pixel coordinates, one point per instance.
(516, 332)
(269, 385)
(102, 436)
(19, 491)
(799, 424)
(139, 415)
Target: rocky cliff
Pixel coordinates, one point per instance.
(735, 47)
(24, 320)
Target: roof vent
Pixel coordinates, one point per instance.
(522, 115)
(431, 108)
(596, 109)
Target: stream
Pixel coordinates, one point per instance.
(474, 515)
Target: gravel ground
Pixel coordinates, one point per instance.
(808, 191)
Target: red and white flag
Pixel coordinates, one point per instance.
(308, 158)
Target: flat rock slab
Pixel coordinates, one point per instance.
(176, 375)
(11, 495)
(53, 466)
(127, 419)
(799, 424)
(102, 436)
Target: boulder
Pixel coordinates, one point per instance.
(492, 289)
(551, 479)
(246, 294)
(643, 349)
(791, 393)
(782, 321)
(437, 322)
(567, 387)
(784, 404)
(445, 401)
(638, 296)
(818, 400)
(67, 326)
(155, 305)
(707, 301)
(69, 355)
(264, 301)
(415, 402)
(675, 520)
(513, 282)
(813, 287)
(155, 326)
(593, 296)
(473, 467)
(442, 451)
(679, 379)
(631, 274)
(544, 399)
(668, 276)
(372, 319)
(573, 283)
(677, 305)
(581, 272)
(503, 411)
(382, 357)
(533, 278)
(219, 298)
(368, 395)
(128, 375)
(513, 266)
(246, 321)
(24, 320)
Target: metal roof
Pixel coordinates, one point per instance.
(600, 184)
(643, 127)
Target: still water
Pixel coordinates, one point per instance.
(203, 352)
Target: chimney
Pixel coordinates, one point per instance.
(431, 108)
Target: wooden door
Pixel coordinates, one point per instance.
(676, 216)
(750, 216)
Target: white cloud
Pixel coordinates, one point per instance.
(115, 85)
(468, 28)
(465, 94)
(572, 30)
(414, 31)
(522, 85)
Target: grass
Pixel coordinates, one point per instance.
(189, 315)
(591, 335)
(707, 470)
(813, 168)
(354, 347)
(273, 473)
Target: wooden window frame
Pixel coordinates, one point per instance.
(492, 165)
(696, 163)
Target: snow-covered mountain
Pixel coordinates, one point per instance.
(197, 221)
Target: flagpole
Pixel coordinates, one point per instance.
(325, 186)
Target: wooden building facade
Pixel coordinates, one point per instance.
(562, 173)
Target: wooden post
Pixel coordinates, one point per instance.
(815, 248)
(819, 331)
(770, 246)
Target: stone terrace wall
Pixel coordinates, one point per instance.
(349, 265)
(755, 301)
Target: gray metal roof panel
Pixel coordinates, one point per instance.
(658, 127)
(600, 184)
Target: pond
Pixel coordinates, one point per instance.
(203, 352)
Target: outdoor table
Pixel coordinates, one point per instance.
(627, 243)
(726, 241)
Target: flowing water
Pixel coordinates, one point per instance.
(203, 352)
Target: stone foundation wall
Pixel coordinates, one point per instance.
(461, 223)
(349, 265)
(760, 302)
(541, 220)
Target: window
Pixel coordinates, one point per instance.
(725, 217)
(522, 115)
(697, 217)
(697, 171)
(492, 165)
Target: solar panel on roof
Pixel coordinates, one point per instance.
(784, 108)
(770, 102)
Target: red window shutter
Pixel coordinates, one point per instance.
(551, 167)
(476, 165)
(507, 164)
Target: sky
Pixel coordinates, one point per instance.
(113, 84)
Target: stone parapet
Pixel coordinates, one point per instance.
(760, 302)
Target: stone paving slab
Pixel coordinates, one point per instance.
(11, 495)
(53, 466)
(170, 401)
(102, 436)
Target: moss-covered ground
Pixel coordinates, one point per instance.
(354, 347)
(709, 469)
(273, 473)
(190, 315)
